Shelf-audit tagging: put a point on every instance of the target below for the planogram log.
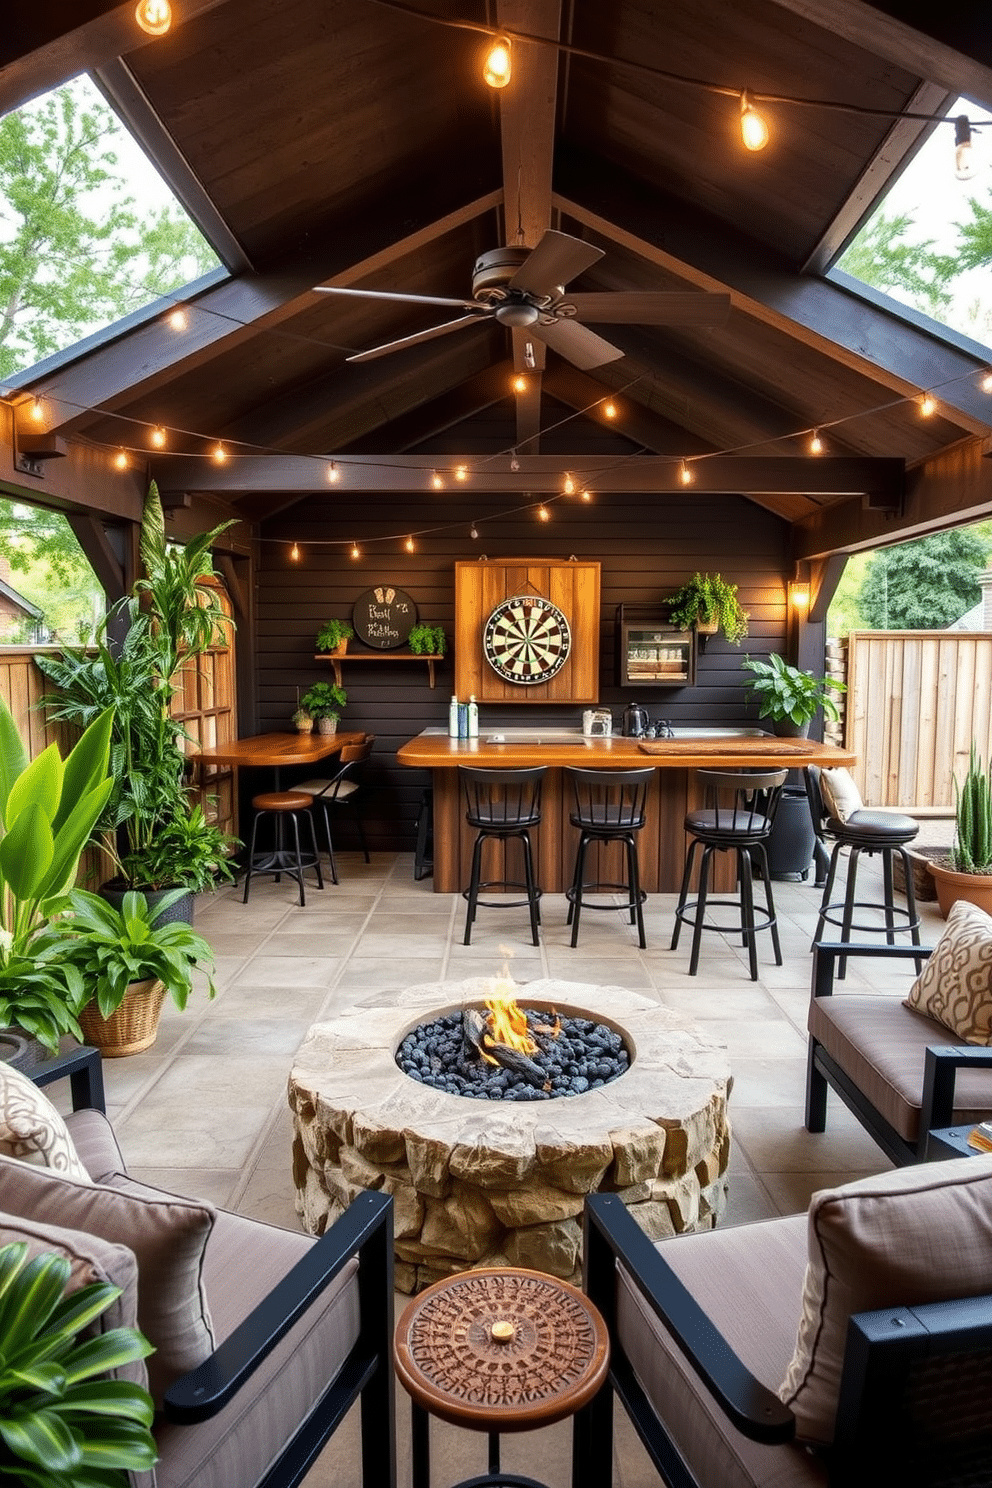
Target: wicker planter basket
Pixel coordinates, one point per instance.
(132, 1028)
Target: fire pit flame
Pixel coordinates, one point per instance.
(507, 1022)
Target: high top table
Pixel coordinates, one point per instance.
(275, 750)
(675, 790)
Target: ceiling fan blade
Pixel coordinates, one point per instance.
(439, 330)
(581, 347)
(649, 308)
(556, 259)
(385, 294)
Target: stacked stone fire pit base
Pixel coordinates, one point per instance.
(487, 1183)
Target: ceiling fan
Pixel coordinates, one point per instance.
(524, 287)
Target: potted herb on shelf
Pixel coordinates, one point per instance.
(790, 697)
(333, 637)
(966, 873)
(324, 702)
(428, 640)
(708, 603)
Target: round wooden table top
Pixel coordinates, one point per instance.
(501, 1350)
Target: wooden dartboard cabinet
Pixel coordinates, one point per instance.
(569, 584)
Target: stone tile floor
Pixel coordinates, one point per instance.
(204, 1111)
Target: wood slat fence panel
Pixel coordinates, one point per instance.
(916, 699)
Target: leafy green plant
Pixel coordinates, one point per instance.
(324, 700)
(332, 633)
(111, 948)
(784, 691)
(301, 717)
(708, 599)
(63, 1424)
(428, 640)
(972, 850)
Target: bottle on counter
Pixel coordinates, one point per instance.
(473, 717)
(453, 717)
(463, 720)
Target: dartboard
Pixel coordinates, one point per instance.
(527, 639)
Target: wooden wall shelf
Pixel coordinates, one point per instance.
(377, 656)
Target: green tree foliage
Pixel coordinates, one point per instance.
(924, 585)
(49, 568)
(74, 251)
(975, 237)
(883, 256)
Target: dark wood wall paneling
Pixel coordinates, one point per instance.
(647, 546)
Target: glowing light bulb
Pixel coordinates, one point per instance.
(410, 545)
(333, 473)
(928, 405)
(178, 319)
(473, 531)
(38, 411)
(685, 474)
(153, 16)
(986, 382)
(461, 473)
(437, 481)
(754, 130)
(799, 595)
(815, 443)
(294, 553)
(586, 495)
(964, 155)
(497, 67)
(568, 485)
(609, 410)
(514, 462)
(520, 383)
(543, 514)
(158, 437)
(120, 459)
(356, 551)
(218, 454)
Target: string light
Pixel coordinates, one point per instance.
(986, 382)
(294, 553)
(497, 67)
(964, 155)
(685, 474)
(610, 410)
(120, 459)
(586, 495)
(333, 473)
(436, 481)
(38, 411)
(461, 473)
(568, 485)
(928, 405)
(815, 443)
(356, 551)
(178, 319)
(154, 16)
(473, 532)
(520, 383)
(544, 514)
(754, 130)
(514, 462)
(158, 437)
(410, 545)
(218, 454)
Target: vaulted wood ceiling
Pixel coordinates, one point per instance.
(353, 143)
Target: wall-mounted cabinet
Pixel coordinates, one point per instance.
(652, 653)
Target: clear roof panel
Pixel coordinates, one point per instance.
(89, 231)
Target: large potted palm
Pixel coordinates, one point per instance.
(157, 839)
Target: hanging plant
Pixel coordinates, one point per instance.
(708, 603)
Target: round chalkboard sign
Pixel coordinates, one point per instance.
(383, 617)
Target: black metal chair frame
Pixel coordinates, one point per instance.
(354, 758)
(502, 818)
(423, 858)
(743, 828)
(884, 1353)
(942, 1063)
(840, 912)
(610, 806)
(365, 1230)
(281, 860)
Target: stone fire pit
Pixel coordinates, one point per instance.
(487, 1183)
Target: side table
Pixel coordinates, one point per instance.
(499, 1350)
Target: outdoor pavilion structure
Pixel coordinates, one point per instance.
(351, 144)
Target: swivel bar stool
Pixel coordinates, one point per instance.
(293, 805)
(737, 817)
(609, 807)
(502, 805)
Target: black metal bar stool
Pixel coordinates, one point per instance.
(864, 830)
(423, 859)
(502, 804)
(609, 807)
(737, 816)
(342, 789)
(280, 805)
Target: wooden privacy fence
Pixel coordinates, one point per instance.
(916, 699)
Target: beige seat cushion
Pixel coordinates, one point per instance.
(168, 1236)
(955, 985)
(840, 795)
(915, 1235)
(748, 1280)
(32, 1130)
(881, 1045)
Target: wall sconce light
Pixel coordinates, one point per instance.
(799, 599)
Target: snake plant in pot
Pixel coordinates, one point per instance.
(967, 871)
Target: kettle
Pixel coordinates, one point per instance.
(635, 721)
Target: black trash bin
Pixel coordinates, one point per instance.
(790, 846)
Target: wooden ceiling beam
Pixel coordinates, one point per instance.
(430, 420)
(527, 109)
(684, 241)
(643, 426)
(835, 476)
(232, 313)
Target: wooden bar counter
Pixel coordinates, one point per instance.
(674, 791)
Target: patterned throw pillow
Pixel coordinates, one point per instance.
(840, 795)
(955, 985)
(31, 1129)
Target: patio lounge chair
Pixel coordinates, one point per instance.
(290, 1331)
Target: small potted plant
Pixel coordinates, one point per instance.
(428, 640)
(707, 603)
(333, 637)
(303, 720)
(966, 873)
(790, 697)
(120, 963)
(324, 701)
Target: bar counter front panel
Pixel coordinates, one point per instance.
(674, 791)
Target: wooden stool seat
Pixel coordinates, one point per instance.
(282, 801)
(292, 807)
